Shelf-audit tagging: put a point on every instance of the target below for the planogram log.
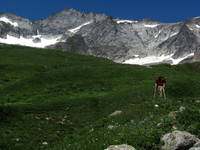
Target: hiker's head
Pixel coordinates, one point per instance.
(160, 78)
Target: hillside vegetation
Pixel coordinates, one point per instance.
(62, 101)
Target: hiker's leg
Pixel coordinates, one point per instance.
(164, 93)
(160, 90)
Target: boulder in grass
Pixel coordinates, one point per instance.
(178, 140)
(120, 147)
(174, 114)
(117, 112)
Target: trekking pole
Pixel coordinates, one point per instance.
(154, 94)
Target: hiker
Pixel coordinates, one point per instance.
(160, 84)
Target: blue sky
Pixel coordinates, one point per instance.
(159, 10)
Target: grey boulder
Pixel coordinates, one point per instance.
(178, 140)
(120, 147)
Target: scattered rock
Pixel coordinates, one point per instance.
(91, 130)
(44, 143)
(65, 117)
(117, 112)
(174, 114)
(36, 117)
(197, 101)
(174, 127)
(120, 147)
(17, 139)
(156, 105)
(159, 124)
(112, 127)
(47, 118)
(181, 109)
(178, 140)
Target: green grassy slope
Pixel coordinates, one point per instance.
(65, 99)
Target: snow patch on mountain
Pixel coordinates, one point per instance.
(125, 21)
(6, 20)
(151, 25)
(44, 41)
(156, 59)
(177, 61)
(173, 34)
(74, 30)
(147, 60)
(198, 26)
(157, 34)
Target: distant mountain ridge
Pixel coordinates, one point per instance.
(125, 41)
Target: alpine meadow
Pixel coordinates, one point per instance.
(54, 100)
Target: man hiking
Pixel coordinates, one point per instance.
(160, 84)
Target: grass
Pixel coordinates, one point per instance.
(65, 100)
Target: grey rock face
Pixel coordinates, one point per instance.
(178, 140)
(74, 44)
(181, 44)
(24, 27)
(65, 20)
(120, 147)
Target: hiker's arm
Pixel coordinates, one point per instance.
(155, 84)
(164, 85)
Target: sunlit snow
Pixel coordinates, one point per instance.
(126, 21)
(156, 59)
(151, 25)
(198, 26)
(136, 55)
(6, 20)
(157, 34)
(29, 41)
(178, 60)
(173, 34)
(74, 30)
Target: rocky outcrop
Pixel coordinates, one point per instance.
(120, 147)
(182, 44)
(174, 114)
(67, 19)
(178, 140)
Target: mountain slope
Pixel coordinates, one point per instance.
(125, 41)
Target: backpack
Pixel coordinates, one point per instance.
(160, 81)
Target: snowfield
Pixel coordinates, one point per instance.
(156, 59)
(151, 25)
(29, 41)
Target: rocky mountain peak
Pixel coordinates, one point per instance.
(101, 35)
